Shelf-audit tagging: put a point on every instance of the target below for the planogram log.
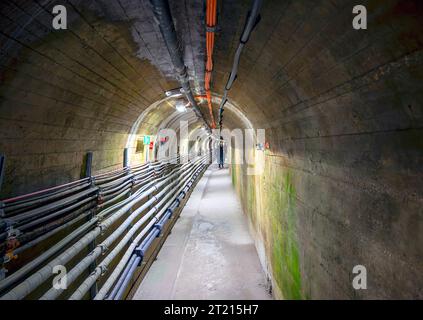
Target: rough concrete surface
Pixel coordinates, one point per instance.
(342, 109)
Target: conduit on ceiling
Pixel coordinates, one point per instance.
(164, 18)
(253, 19)
(210, 31)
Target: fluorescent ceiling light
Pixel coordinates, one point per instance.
(180, 106)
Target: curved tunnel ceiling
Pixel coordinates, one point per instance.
(69, 91)
(342, 110)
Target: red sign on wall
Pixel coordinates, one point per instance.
(151, 145)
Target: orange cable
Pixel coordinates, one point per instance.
(211, 23)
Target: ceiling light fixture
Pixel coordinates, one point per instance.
(180, 106)
(174, 92)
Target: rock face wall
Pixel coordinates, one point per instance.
(342, 110)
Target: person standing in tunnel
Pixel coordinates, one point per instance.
(221, 153)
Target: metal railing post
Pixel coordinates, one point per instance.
(92, 244)
(2, 168)
(88, 164)
(3, 225)
(125, 158)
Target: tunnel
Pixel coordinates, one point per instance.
(211, 149)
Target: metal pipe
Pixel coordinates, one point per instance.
(114, 199)
(13, 209)
(128, 277)
(114, 190)
(82, 265)
(30, 266)
(37, 212)
(44, 273)
(163, 15)
(25, 196)
(51, 233)
(109, 282)
(111, 177)
(116, 195)
(26, 287)
(33, 223)
(73, 274)
(130, 269)
(112, 278)
(29, 284)
(121, 279)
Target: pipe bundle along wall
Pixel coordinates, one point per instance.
(163, 204)
(27, 268)
(136, 258)
(45, 212)
(155, 180)
(83, 264)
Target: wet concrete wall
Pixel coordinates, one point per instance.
(342, 184)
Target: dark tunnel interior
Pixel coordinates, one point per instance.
(336, 183)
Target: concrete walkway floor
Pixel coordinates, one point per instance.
(210, 253)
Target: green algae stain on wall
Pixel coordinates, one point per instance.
(251, 199)
(276, 222)
(280, 204)
(233, 171)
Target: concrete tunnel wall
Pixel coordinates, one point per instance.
(68, 93)
(342, 110)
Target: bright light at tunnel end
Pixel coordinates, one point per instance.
(239, 146)
(180, 106)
